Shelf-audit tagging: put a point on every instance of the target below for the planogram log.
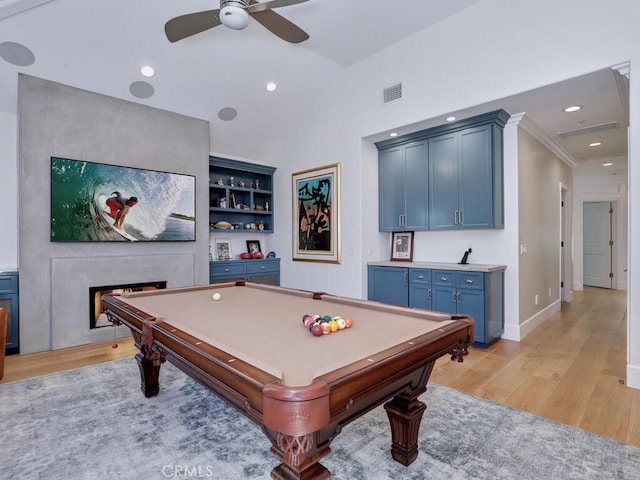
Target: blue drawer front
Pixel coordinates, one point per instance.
(471, 280)
(262, 267)
(444, 278)
(8, 283)
(420, 275)
(227, 269)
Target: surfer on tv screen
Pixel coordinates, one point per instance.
(120, 206)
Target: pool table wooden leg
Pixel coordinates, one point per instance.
(149, 366)
(405, 414)
(300, 458)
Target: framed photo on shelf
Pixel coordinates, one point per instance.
(316, 214)
(402, 246)
(223, 249)
(253, 246)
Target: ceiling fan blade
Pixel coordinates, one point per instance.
(260, 7)
(280, 26)
(190, 24)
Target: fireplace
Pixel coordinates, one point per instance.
(97, 317)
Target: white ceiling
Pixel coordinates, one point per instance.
(100, 45)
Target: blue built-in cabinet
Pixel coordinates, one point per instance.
(448, 177)
(475, 290)
(403, 194)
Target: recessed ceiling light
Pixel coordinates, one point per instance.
(147, 71)
(393, 134)
(271, 87)
(607, 164)
(595, 144)
(573, 108)
(451, 119)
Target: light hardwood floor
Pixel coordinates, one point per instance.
(571, 369)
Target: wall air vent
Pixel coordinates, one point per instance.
(392, 93)
(592, 129)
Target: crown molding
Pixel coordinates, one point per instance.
(536, 132)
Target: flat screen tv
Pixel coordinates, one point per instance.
(95, 202)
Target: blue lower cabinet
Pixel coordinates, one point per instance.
(474, 293)
(9, 300)
(266, 271)
(420, 292)
(388, 285)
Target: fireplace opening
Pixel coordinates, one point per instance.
(97, 317)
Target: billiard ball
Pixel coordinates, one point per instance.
(342, 324)
(326, 328)
(348, 322)
(334, 325)
(316, 330)
(216, 296)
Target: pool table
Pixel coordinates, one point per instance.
(251, 348)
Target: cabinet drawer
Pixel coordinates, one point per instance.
(262, 267)
(471, 280)
(8, 283)
(227, 269)
(444, 277)
(420, 276)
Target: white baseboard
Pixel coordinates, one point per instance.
(633, 376)
(518, 332)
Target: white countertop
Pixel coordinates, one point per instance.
(469, 267)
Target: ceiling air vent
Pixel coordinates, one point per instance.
(586, 130)
(392, 93)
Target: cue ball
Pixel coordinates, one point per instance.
(216, 296)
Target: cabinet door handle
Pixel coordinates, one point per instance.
(469, 281)
(420, 277)
(453, 297)
(455, 217)
(429, 294)
(443, 279)
(226, 270)
(460, 217)
(262, 267)
(406, 278)
(458, 297)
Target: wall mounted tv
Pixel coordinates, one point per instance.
(95, 202)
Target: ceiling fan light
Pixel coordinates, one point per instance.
(234, 17)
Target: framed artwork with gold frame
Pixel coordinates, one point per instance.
(316, 214)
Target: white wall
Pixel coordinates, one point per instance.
(540, 175)
(9, 189)
(482, 54)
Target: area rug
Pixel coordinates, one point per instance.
(94, 423)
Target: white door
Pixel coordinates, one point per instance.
(598, 244)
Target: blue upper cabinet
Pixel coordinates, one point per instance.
(403, 187)
(446, 178)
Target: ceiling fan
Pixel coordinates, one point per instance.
(235, 14)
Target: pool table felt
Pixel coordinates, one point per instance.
(262, 325)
